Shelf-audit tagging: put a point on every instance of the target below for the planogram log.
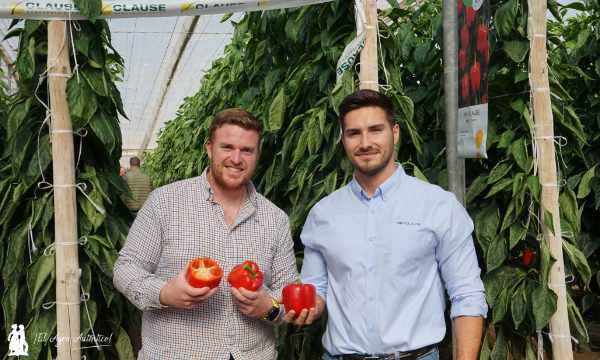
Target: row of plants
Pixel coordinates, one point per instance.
(27, 259)
(280, 65)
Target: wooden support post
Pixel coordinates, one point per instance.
(65, 210)
(368, 57)
(544, 134)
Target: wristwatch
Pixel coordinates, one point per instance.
(272, 314)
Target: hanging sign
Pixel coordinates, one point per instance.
(473, 61)
(66, 10)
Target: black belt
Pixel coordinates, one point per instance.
(403, 355)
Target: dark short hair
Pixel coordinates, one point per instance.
(234, 116)
(366, 98)
(134, 161)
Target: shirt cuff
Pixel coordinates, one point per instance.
(473, 305)
(152, 287)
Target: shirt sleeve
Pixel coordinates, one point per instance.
(133, 273)
(283, 268)
(455, 254)
(314, 268)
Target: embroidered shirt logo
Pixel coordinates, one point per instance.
(409, 223)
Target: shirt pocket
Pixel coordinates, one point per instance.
(410, 244)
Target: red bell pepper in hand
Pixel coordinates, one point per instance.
(204, 272)
(527, 257)
(246, 275)
(298, 297)
(475, 75)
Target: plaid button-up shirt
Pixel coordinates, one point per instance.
(180, 222)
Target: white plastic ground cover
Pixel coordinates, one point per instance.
(66, 10)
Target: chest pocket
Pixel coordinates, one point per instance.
(409, 243)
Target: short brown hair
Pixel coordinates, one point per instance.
(234, 116)
(366, 98)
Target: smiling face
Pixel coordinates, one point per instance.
(233, 153)
(369, 140)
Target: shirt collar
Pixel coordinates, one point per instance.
(383, 190)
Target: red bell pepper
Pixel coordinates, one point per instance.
(460, 7)
(246, 275)
(462, 58)
(482, 41)
(299, 296)
(464, 37)
(464, 87)
(527, 257)
(204, 272)
(475, 75)
(470, 15)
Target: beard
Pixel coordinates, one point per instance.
(373, 167)
(218, 172)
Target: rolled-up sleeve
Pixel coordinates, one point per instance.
(314, 268)
(455, 253)
(134, 269)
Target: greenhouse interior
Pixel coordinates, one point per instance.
(300, 179)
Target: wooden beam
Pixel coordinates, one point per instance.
(65, 208)
(369, 78)
(544, 136)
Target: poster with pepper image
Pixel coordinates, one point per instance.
(473, 61)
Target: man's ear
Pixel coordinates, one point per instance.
(396, 133)
(208, 146)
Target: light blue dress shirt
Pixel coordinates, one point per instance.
(381, 264)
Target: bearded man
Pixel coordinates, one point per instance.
(381, 249)
(217, 215)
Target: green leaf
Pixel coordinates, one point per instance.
(331, 182)
(569, 209)
(533, 183)
(549, 221)
(88, 314)
(91, 9)
(578, 259)
(498, 172)
(584, 186)
(96, 80)
(496, 254)
(39, 276)
(516, 50)
(546, 262)
(101, 125)
(576, 321)
(519, 152)
(476, 188)
(518, 306)
(516, 233)
(506, 139)
(486, 224)
(544, 305)
(123, 345)
(277, 111)
(40, 331)
(499, 186)
(505, 18)
(501, 307)
(500, 351)
(10, 302)
(82, 102)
